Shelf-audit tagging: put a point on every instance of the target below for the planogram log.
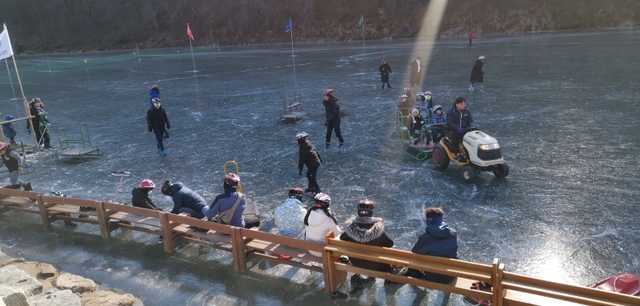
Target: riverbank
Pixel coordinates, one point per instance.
(28, 283)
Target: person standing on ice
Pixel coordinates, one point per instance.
(332, 111)
(13, 161)
(154, 92)
(470, 36)
(40, 122)
(477, 75)
(385, 70)
(415, 78)
(156, 122)
(309, 156)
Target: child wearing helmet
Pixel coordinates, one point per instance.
(141, 195)
(309, 156)
(154, 92)
(228, 207)
(9, 131)
(366, 229)
(156, 121)
(437, 124)
(13, 161)
(290, 214)
(320, 220)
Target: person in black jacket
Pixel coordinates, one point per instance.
(438, 240)
(477, 75)
(385, 70)
(458, 121)
(40, 122)
(332, 111)
(184, 199)
(156, 121)
(140, 196)
(309, 156)
(366, 229)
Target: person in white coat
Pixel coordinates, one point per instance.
(320, 220)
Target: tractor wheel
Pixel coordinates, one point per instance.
(468, 174)
(501, 170)
(440, 158)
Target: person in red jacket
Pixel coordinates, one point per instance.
(470, 35)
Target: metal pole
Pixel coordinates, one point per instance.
(10, 80)
(291, 32)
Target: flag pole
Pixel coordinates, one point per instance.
(10, 80)
(24, 98)
(192, 58)
(291, 32)
(362, 18)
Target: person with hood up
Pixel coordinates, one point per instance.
(477, 75)
(290, 214)
(184, 199)
(332, 111)
(9, 131)
(320, 220)
(437, 122)
(156, 122)
(13, 161)
(154, 92)
(40, 122)
(366, 229)
(141, 195)
(228, 207)
(309, 156)
(438, 240)
(458, 120)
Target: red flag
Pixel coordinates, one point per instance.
(189, 33)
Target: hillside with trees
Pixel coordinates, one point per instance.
(83, 25)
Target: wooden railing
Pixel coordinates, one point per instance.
(508, 289)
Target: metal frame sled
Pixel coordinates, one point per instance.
(68, 146)
(404, 141)
(293, 110)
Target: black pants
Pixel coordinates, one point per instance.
(455, 140)
(437, 135)
(331, 126)
(43, 134)
(311, 176)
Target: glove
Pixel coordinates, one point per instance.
(168, 127)
(460, 130)
(326, 123)
(150, 129)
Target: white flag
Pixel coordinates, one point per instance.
(5, 44)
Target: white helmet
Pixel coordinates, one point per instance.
(481, 57)
(301, 135)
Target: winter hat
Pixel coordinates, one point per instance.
(415, 110)
(404, 96)
(437, 107)
(481, 57)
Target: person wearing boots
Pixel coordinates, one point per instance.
(13, 161)
(228, 207)
(309, 156)
(40, 122)
(458, 121)
(332, 111)
(438, 240)
(385, 70)
(154, 92)
(366, 229)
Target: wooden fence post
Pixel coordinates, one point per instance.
(103, 221)
(238, 248)
(498, 290)
(167, 232)
(43, 213)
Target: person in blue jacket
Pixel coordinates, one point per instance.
(228, 207)
(184, 199)
(437, 124)
(438, 240)
(154, 92)
(9, 131)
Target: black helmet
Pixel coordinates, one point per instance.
(365, 208)
(322, 200)
(296, 192)
(166, 187)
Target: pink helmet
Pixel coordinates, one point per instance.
(147, 184)
(3, 145)
(327, 91)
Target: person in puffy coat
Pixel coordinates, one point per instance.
(438, 240)
(224, 209)
(141, 195)
(156, 121)
(365, 229)
(477, 75)
(320, 220)
(289, 215)
(184, 199)
(332, 111)
(309, 156)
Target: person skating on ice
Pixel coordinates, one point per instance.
(385, 71)
(40, 122)
(477, 75)
(332, 111)
(156, 122)
(154, 92)
(309, 156)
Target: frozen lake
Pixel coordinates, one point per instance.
(563, 107)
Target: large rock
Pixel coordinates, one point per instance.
(45, 273)
(6, 259)
(10, 296)
(107, 298)
(75, 283)
(55, 297)
(13, 277)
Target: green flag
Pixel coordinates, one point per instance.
(361, 21)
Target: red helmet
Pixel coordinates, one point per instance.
(3, 145)
(147, 184)
(232, 179)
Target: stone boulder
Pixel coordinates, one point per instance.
(75, 283)
(6, 259)
(13, 277)
(10, 296)
(45, 273)
(55, 297)
(107, 298)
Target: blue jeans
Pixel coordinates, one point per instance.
(159, 133)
